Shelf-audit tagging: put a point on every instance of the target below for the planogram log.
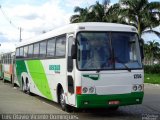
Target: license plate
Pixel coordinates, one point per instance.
(114, 102)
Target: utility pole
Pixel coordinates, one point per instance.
(20, 30)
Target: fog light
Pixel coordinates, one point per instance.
(134, 87)
(85, 90)
(91, 89)
(86, 103)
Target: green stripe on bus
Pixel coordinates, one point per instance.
(38, 75)
(1, 75)
(20, 67)
(102, 101)
(7, 78)
(92, 76)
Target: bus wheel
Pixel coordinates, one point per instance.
(4, 80)
(11, 79)
(62, 102)
(28, 88)
(114, 108)
(24, 88)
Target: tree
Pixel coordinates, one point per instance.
(140, 13)
(151, 52)
(83, 15)
(96, 13)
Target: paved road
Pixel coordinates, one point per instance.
(12, 100)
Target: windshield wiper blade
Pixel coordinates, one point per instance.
(129, 69)
(98, 70)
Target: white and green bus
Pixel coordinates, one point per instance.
(84, 65)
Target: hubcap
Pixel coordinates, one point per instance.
(62, 100)
(23, 87)
(27, 86)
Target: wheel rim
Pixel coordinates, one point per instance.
(62, 100)
(27, 87)
(23, 87)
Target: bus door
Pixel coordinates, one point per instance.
(70, 73)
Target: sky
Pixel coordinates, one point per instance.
(37, 16)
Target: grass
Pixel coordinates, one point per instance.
(152, 78)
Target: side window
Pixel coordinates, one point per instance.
(2, 59)
(43, 49)
(30, 51)
(17, 52)
(21, 52)
(10, 61)
(25, 51)
(60, 46)
(36, 50)
(51, 47)
(9, 58)
(6, 59)
(13, 59)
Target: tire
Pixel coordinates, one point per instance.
(62, 102)
(113, 108)
(24, 88)
(11, 80)
(4, 80)
(28, 89)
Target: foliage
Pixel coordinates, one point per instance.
(152, 78)
(152, 69)
(151, 52)
(139, 13)
(96, 13)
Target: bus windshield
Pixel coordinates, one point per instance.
(108, 51)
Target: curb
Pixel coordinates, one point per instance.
(152, 84)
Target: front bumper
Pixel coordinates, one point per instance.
(102, 101)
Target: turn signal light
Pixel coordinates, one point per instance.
(78, 90)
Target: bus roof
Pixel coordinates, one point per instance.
(12, 53)
(86, 26)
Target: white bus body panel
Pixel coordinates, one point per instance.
(112, 82)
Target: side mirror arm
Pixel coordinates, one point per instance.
(73, 52)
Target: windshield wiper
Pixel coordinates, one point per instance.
(98, 70)
(129, 69)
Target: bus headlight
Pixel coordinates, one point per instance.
(85, 89)
(140, 87)
(134, 87)
(91, 90)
